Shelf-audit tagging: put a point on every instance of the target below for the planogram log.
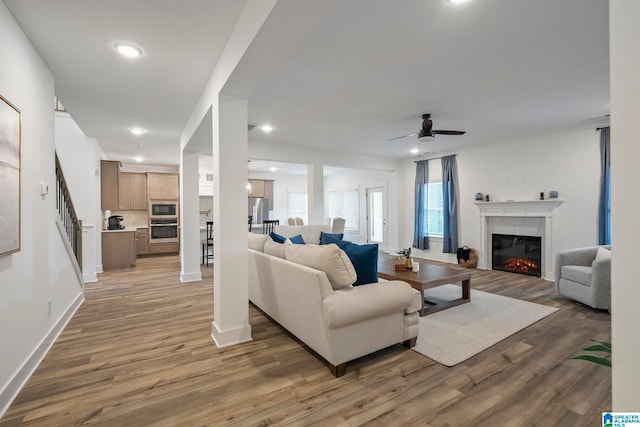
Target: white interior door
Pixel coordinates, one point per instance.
(377, 216)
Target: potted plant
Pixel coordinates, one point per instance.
(601, 346)
(405, 259)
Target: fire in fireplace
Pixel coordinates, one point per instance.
(517, 254)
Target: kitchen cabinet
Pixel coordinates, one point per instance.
(262, 188)
(163, 186)
(132, 191)
(268, 193)
(118, 249)
(109, 177)
(142, 241)
(164, 248)
(257, 188)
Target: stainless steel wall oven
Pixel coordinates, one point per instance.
(163, 230)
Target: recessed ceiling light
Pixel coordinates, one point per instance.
(128, 50)
(273, 168)
(137, 131)
(414, 151)
(266, 128)
(457, 1)
(138, 159)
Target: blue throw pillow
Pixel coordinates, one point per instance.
(326, 238)
(298, 240)
(363, 257)
(277, 238)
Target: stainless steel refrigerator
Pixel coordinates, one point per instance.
(258, 209)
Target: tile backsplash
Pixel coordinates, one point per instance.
(133, 218)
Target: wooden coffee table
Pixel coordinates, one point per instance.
(429, 276)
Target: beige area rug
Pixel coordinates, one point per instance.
(452, 336)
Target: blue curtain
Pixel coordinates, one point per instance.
(604, 207)
(420, 232)
(449, 204)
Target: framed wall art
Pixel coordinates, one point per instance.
(10, 140)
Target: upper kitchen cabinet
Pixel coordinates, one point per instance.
(162, 186)
(132, 191)
(109, 178)
(262, 188)
(256, 188)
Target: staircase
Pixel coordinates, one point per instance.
(68, 223)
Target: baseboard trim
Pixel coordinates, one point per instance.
(23, 374)
(190, 277)
(230, 336)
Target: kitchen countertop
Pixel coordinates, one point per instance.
(132, 228)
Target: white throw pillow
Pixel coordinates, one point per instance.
(256, 241)
(274, 248)
(328, 258)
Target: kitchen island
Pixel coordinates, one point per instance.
(118, 248)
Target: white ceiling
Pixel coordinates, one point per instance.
(345, 75)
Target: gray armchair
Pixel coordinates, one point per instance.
(584, 274)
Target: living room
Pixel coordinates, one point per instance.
(533, 165)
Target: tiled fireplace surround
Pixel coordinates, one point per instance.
(526, 218)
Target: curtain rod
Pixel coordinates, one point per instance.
(435, 158)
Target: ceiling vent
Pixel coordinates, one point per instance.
(250, 127)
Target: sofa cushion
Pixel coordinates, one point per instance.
(576, 273)
(277, 237)
(326, 238)
(274, 249)
(310, 233)
(256, 241)
(297, 240)
(363, 257)
(328, 258)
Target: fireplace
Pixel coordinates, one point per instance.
(517, 254)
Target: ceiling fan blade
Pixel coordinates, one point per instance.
(448, 132)
(403, 136)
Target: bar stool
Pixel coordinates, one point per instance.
(268, 225)
(208, 243)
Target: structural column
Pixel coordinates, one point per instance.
(315, 192)
(230, 260)
(189, 217)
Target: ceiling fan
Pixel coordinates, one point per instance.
(428, 132)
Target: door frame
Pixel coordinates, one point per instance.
(385, 213)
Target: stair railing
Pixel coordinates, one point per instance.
(68, 217)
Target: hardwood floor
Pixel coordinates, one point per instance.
(139, 352)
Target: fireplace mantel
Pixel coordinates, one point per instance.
(519, 208)
(532, 208)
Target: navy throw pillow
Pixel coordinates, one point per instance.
(363, 257)
(277, 238)
(298, 240)
(326, 238)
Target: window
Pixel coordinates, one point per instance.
(344, 204)
(432, 210)
(298, 206)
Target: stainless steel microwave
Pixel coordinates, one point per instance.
(163, 209)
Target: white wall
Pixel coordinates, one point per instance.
(568, 163)
(362, 180)
(625, 174)
(41, 271)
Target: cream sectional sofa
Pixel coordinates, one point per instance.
(314, 300)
